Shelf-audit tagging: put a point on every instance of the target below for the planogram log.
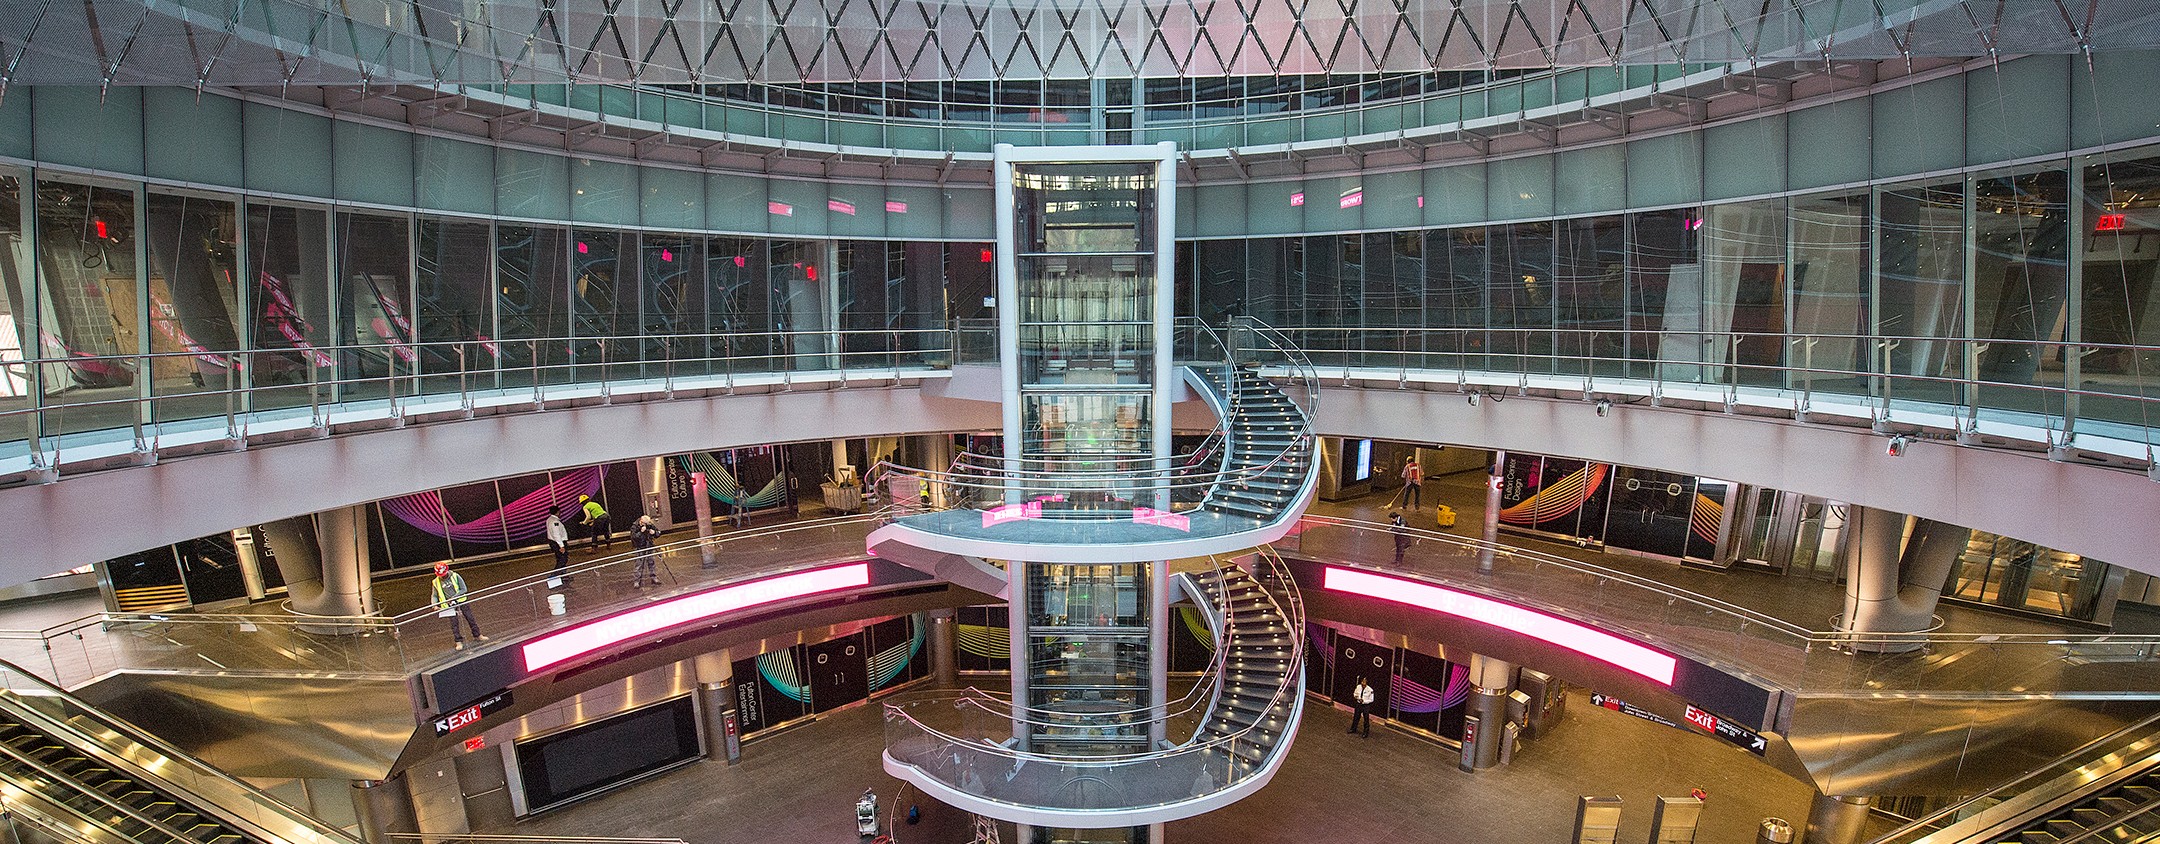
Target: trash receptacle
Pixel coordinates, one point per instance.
(1774, 831)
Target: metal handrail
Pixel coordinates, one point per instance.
(995, 703)
(1592, 569)
(1287, 689)
(996, 477)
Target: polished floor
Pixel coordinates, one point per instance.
(800, 786)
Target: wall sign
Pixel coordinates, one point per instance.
(1739, 736)
(452, 722)
(1626, 708)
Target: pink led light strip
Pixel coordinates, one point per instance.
(586, 638)
(1559, 631)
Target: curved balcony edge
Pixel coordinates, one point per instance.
(1103, 818)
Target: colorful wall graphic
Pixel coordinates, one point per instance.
(781, 686)
(1413, 689)
(1636, 509)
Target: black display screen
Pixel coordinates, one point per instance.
(588, 758)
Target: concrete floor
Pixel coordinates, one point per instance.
(799, 786)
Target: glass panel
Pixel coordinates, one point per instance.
(456, 322)
(1830, 292)
(1085, 208)
(89, 303)
(738, 303)
(193, 299)
(288, 268)
(1455, 292)
(373, 259)
(17, 322)
(1087, 424)
(2021, 287)
(603, 302)
(671, 281)
(1922, 288)
(1086, 353)
(1590, 280)
(532, 280)
(1087, 288)
(1743, 293)
(1661, 258)
(1520, 297)
(802, 305)
(2120, 300)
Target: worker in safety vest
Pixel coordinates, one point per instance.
(449, 589)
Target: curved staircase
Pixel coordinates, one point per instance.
(958, 746)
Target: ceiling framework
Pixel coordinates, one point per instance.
(474, 42)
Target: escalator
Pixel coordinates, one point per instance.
(2107, 791)
(75, 774)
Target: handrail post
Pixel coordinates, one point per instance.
(464, 376)
(232, 419)
(539, 396)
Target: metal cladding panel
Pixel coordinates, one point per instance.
(271, 727)
(1944, 746)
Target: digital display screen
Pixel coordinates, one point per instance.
(1587, 641)
(1357, 461)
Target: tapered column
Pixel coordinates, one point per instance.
(385, 808)
(1838, 819)
(701, 500)
(324, 561)
(1893, 581)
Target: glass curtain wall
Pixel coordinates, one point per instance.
(1964, 288)
(18, 326)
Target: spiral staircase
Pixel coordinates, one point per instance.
(1223, 738)
(958, 746)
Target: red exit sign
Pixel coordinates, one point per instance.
(2111, 222)
(1702, 719)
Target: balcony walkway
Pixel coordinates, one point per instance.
(39, 636)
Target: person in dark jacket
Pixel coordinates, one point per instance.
(1402, 535)
(644, 534)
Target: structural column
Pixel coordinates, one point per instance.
(1490, 682)
(1491, 520)
(944, 636)
(701, 501)
(385, 808)
(715, 675)
(655, 472)
(324, 561)
(1838, 819)
(1893, 581)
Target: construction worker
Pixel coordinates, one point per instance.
(449, 589)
